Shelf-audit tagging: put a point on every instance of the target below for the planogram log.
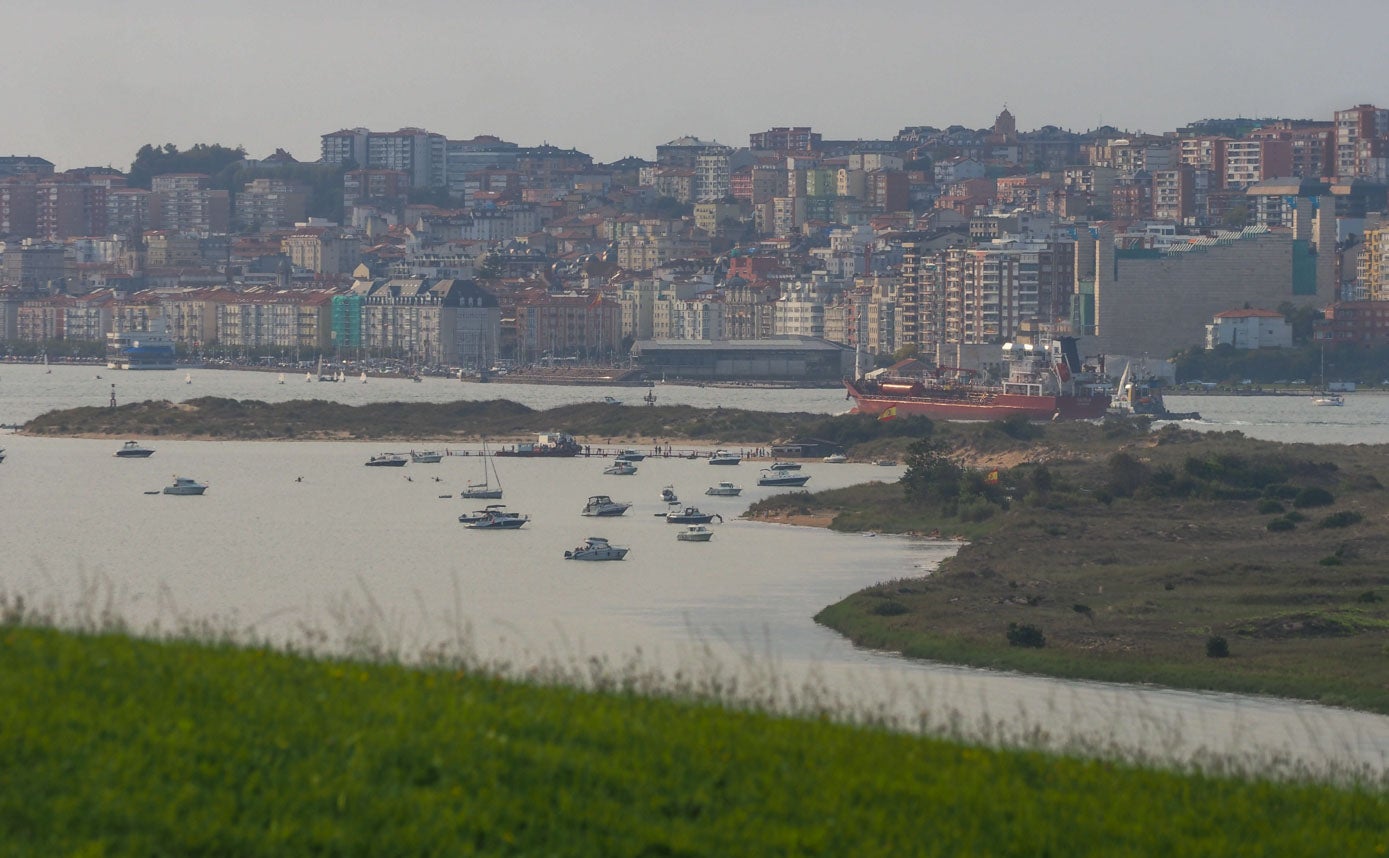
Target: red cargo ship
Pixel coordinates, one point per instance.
(1045, 382)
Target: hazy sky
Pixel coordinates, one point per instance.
(86, 83)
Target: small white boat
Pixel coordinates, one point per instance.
(426, 457)
(620, 469)
(695, 533)
(631, 456)
(608, 400)
(691, 515)
(668, 495)
(836, 459)
(188, 378)
(387, 460)
(784, 466)
(602, 505)
(364, 378)
(133, 450)
(886, 463)
(596, 548)
(308, 376)
(498, 519)
(1328, 398)
(782, 478)
(724, 490)
(281, 379)
(185, 486)
(723, 457)
(480, 514)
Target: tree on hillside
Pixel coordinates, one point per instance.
(151, 161)
(931, 474)
(1302, 318)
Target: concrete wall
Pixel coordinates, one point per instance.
(1156, 303)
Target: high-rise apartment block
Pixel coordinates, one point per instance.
(1356, 128)
(419, 154)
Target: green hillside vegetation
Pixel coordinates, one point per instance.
(1193, 560)
(120, 747)
(227, 419)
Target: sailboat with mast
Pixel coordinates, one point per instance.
(1324, 396)
(485, 489)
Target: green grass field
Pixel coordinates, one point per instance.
(113, 746)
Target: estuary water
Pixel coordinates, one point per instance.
(298, 542)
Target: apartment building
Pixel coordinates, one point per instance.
(1354, 127)
(582, 326)
(185, 202)
(1174, 194)
(35, 265)
(323, 250)
(1373, 264)
(421, 155)
(1311, 146)
(1250, 161)
(271, 202)
(277, 319)
(785, 139)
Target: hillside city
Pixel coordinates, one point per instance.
(792, 257)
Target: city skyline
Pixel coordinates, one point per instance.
(618, 78)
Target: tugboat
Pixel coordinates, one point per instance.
(1140, 395)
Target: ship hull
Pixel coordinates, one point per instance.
(981, 405)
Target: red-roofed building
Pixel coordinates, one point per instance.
(1250, 329)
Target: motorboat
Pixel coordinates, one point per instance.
(185, 486)
(620, 469)
(695, 533)
(668, 495)
(426, 457)
(691, 515)
(499, 519)
(724, 490)
(387, 460)
(782, 478)
(1328, 398)
(886, 463)
(480, 514)
(596, 548)
(835, 459)
(611, 400)
(602, 505)
(133, 450)
(631, 456)
(723, 457)
(784, 466)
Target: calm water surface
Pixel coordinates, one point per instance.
(375, 557)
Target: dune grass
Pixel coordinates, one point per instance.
(116, 746)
